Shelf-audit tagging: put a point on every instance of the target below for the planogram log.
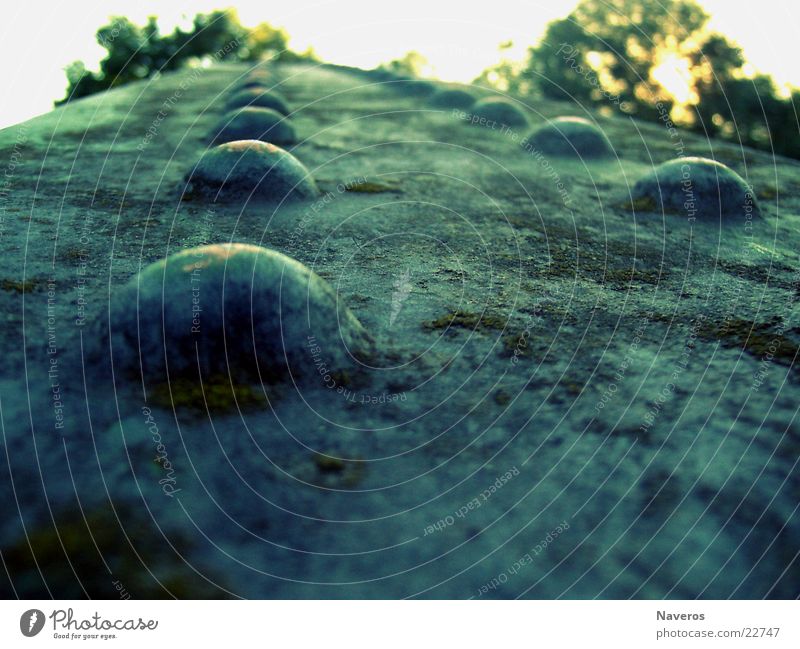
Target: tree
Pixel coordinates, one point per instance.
(610, 52)
(609, 49)
(741, 108)
(135, 52)
(411, 64)
(505, 75)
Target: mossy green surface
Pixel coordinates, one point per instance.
(465, 320)
(215, 395)
(89, 552)
(604, 350)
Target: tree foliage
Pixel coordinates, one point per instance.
(136, 52)
(411, 64)
(608, 52)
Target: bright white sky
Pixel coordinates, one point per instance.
(459, 37)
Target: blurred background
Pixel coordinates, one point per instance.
(724, 68)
